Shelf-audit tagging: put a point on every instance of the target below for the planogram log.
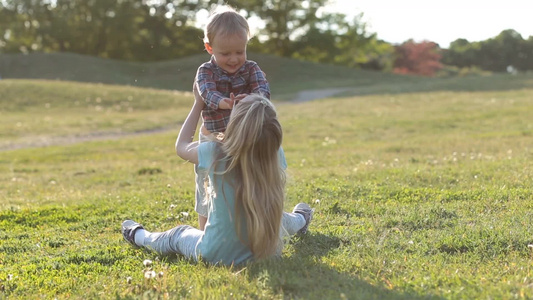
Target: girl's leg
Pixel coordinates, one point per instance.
(178, 240)
(297, 221)
(292, 222)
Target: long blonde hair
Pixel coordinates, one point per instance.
(250, 146)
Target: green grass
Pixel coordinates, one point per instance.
(44, 112)
(422, 195)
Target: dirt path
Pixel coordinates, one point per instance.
(43, 141)
(310, 95)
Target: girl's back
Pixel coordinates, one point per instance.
(221, 241)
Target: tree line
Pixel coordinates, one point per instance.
(508, 49)
(154, 30)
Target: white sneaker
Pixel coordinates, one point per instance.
(305, 210)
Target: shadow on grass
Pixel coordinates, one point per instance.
(303, 275)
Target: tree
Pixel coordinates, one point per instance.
(121, 29)
(17, 25)
(417, 58)
(461, 53)
(358, 48)
(506, 49)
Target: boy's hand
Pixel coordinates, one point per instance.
(226, 104)
(239, 97)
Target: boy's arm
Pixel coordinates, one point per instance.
(207, 88)
(258, 82)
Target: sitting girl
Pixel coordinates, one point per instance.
(245, 191)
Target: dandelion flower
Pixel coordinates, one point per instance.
(149, 274)
(147, 263)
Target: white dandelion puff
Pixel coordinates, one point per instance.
(147, 263)
(149, 274)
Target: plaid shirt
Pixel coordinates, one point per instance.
(215, 84)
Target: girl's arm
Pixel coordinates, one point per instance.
(185, 147)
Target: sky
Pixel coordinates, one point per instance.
(396, 21)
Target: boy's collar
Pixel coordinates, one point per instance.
(213, 61)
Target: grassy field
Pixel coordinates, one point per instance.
(48, 112)
(418, 195)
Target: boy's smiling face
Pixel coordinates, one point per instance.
(229, 51)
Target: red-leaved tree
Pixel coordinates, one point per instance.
(417, 58)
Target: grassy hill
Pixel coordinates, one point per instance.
(287, 76)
